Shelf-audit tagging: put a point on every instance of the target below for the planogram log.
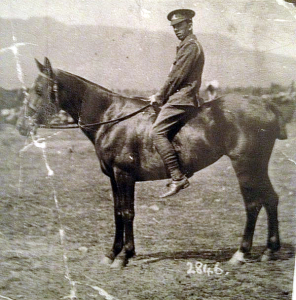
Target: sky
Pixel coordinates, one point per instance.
(266, 25)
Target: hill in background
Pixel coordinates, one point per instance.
(11, 98)
(121, 58)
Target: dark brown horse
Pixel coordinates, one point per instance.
(244, 129)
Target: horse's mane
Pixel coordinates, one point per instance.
(112, 93)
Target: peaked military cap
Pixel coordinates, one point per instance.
(180, 15)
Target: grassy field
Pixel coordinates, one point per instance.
(54, 229)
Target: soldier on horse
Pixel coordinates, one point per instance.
(178, 97)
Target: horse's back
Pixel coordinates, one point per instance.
(249, 125)
(253, 110)
(129, 146)
(229, 126)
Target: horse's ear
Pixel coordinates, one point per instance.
(47, 67)
(39, 65)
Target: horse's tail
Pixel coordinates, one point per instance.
(283, 105)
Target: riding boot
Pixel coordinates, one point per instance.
(170, 159)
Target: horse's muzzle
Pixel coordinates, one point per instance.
(26, 128)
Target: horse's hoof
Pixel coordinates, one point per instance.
(119, 263)
(235, 262)
(237, 259)
(106, 261)
(268, 255)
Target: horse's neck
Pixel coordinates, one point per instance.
(90, 102)
(69, 91)
(82, 98)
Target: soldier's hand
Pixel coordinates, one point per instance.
(154, 101)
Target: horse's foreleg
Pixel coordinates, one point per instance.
(119, 225)
(128, 215)
(126, 188)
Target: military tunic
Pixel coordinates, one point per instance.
(179, 95)
(178, 98)
(184, 79)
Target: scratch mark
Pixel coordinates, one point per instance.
(38, 139)
(72, 294)
(21, 170)
(26, 147)
(41, 144)
(3, 297)
(289, 6)
(280, 47)
(155, 220)
(14, 48)
(101, 291)
(280, 20)
(21, 151)
(144, 13)
(288, 158)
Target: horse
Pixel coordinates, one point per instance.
(244, 129)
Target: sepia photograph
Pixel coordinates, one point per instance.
(147, 149)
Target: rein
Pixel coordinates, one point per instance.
(86, 126)
(83, 126)
(80, 125)
(69, 126)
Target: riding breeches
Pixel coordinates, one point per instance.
(168, 122)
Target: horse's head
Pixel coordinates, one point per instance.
(41, 101)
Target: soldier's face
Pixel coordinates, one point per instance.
(182, 29)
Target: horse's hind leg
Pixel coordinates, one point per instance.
(257, 191)
(119, 226)
(273, 240)
(125, 192)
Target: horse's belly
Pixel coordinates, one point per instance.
(193, 149)
(133, 151)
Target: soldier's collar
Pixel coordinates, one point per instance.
(188, 37)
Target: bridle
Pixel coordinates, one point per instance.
(55, 102)
(54, 88)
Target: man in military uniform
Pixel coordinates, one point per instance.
(178, 97)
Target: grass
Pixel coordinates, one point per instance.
(203, 223)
